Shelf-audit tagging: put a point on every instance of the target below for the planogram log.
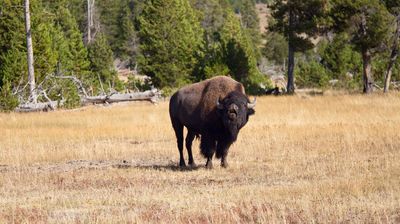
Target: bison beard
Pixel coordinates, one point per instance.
(198, 107)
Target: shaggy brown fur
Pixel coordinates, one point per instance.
(195, 107)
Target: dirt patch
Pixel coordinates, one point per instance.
(94, 165)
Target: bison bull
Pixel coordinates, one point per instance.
(214, 110)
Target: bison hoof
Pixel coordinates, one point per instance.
(182, 164)
(192, 165)
(209, 165)
(224, 164)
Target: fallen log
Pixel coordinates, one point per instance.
(38, 107)
(150, 95)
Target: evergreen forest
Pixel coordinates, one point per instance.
(324, 44)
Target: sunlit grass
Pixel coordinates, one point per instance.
(323, 159)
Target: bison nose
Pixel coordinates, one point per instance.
(232, 116)
(232, 110)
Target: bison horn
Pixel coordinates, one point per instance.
(219, 105)
(252, 104)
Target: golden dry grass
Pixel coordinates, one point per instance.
(331, 159)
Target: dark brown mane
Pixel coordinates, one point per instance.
(195, 107)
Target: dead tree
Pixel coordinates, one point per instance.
(31, 71)
(114, 97)
(92, 25)
(393, 55)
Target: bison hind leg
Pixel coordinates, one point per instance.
(178, 128)
(189, 139)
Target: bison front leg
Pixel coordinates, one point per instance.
(209, 164)
(207, 146)
(222, 152)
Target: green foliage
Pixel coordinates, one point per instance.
(229, 48)
(340, 58)
(8, 102)
(216, 69)
(57, 44)
(44, 51)
(176, 42)
(127, 42)
(73, 55)
(13, 65)
(171, 38)
(71, 95)
(311, 74)
(249, 21)
(366, 21)
(116, 22)
(101, 63)
(306, 19)
(379, 67)
(297, 21)
(78, 9)
(239, 54)
(168, 91)
(276, 48)
(12, 44)
(137, 84)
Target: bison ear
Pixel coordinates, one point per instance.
(250, 111)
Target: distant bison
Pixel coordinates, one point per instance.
(214, 110)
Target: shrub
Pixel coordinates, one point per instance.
(8, 102)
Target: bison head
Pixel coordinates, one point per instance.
(234, 110)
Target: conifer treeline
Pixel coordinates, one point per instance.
(176, 42)
(172, 41)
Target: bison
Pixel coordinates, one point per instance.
(213, 110)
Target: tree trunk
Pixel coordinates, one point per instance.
(393, 56)
(290, 81)
(89, 21)
(149, 95)
(367, 76)
(31, 72)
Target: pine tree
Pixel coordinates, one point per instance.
(13, 60)
(340, 58)
(229, 48)
(101, 63)
(12, 45)
(367, 23)
(127, 44)
(109, 15)
(170, 39)
(297, 20)
(275, 48)
(57, 44)
(250, 23)
(73, 56)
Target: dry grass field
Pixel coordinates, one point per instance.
(326, 159)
